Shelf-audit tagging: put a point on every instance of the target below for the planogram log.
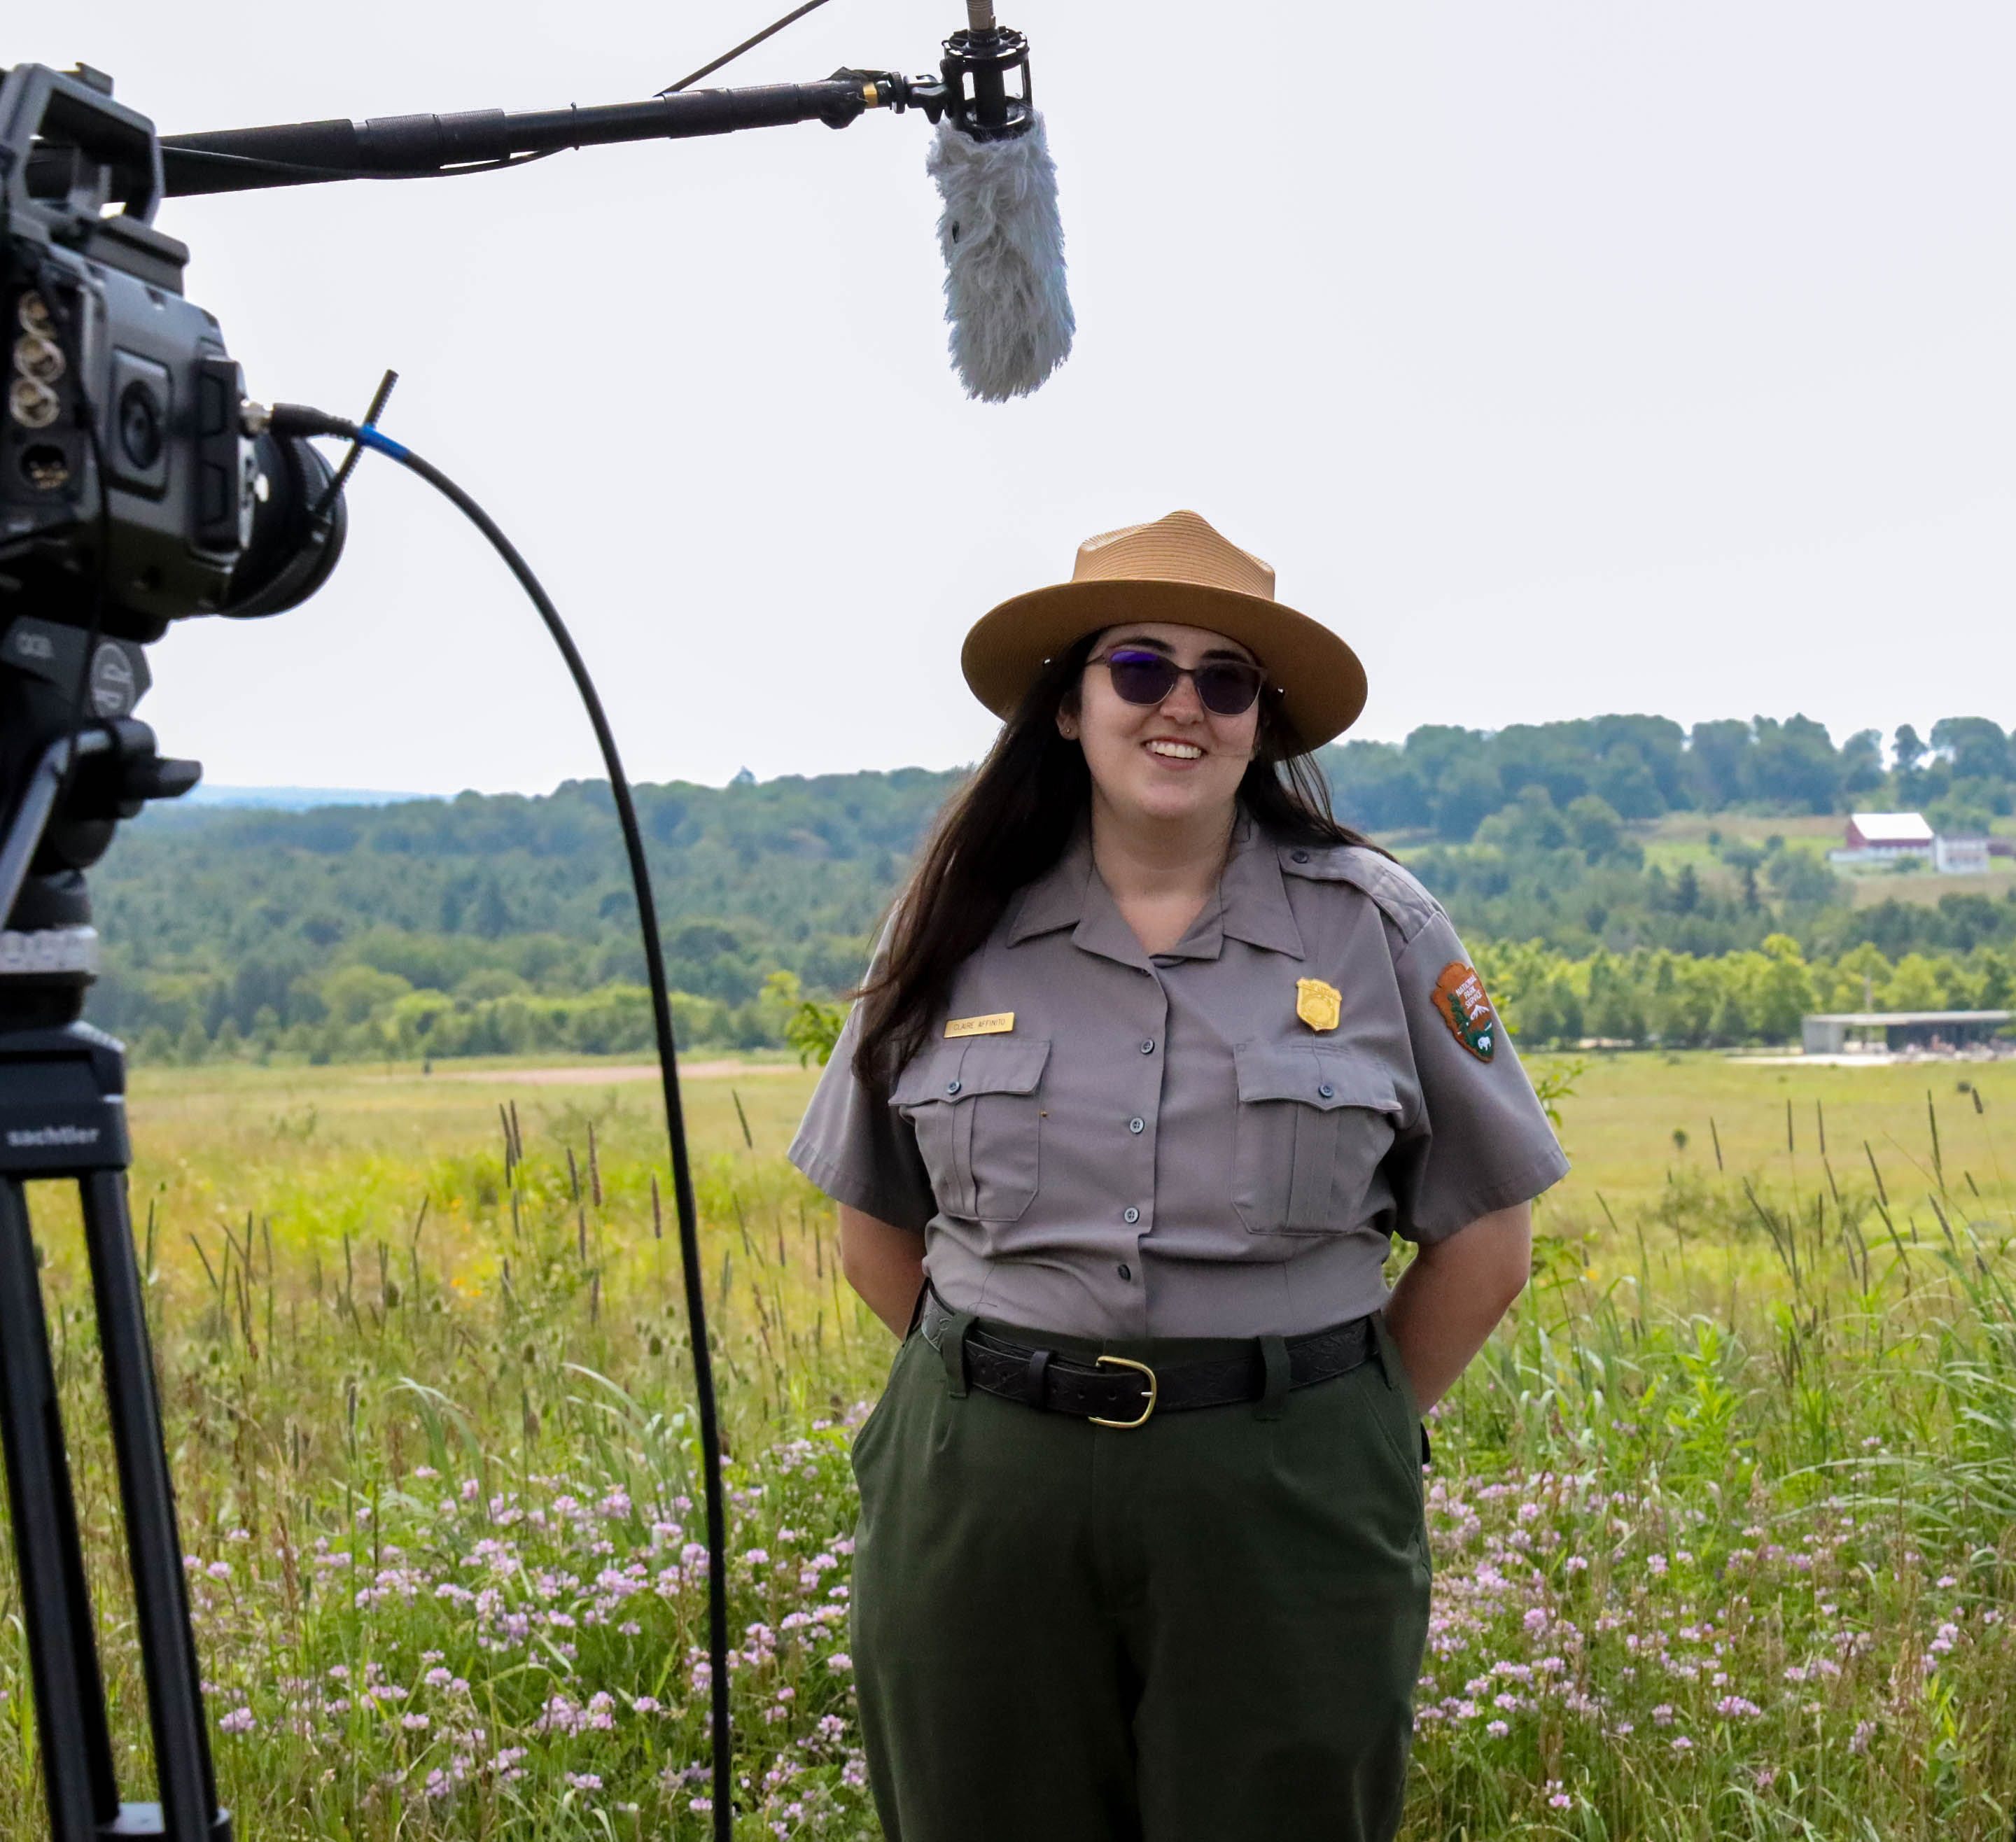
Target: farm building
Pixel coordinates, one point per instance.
(1890, 834)
(1878, 839)
(1959, 857)
(1830, 1034)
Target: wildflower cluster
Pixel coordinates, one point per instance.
(465, 1649)
(1576, 1624)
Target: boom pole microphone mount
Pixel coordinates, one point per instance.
(970, 88)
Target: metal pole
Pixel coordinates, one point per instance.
(415, 146)
(182, 1769)
(78, 1777)
(38, 800)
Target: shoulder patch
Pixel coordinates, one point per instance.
(1398, 896)
(1461, 1002)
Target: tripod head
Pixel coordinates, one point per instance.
(75, 782)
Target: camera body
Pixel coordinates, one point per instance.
(137, 487)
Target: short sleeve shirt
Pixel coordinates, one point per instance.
(1102, 1142)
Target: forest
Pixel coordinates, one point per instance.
(1448, 781)
(494, 923)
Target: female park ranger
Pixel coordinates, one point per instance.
(1153, 1059)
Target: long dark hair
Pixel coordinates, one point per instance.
(1011, 822)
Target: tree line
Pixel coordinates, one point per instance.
(291, 930)
(504, 923)
(1652, 996)
(1448, 781)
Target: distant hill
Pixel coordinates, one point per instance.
(245, 915)
(492, 919)
(294, 799)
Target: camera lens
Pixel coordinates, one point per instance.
(140, 425)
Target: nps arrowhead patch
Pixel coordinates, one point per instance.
(1461, 1002)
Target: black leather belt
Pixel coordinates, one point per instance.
(1118, 1391)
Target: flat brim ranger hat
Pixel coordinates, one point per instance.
(1177, 570)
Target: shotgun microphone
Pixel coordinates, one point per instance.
(1002, 240)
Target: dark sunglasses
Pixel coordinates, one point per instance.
(1224, 687)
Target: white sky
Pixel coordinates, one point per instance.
(1565, 358)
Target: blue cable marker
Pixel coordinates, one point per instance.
(383, 443)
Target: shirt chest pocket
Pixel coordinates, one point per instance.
(974, 1109)
(1313, 1126)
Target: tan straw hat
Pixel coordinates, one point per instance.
(1179, 571)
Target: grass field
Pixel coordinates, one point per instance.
(1721, 1520)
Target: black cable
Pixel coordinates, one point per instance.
(291, 419)
(311, 174)
(729, 57)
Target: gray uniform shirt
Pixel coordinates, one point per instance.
(1162, 1146)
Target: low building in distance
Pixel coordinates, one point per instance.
(1959, 857)
(1878, 1032)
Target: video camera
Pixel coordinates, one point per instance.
(137, 485)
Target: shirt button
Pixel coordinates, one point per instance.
(1148, 1046)
(1131, 1217)
(1124, 1274)
(1136, 1125)
(1327, 1091)
(952, 1087)
(1298, 856)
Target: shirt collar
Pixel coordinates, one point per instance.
(1255, 900)
(1250, 904)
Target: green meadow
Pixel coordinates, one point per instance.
(1721, 1520)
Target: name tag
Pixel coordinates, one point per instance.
(999, 1024)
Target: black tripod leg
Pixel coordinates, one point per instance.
(153, 1544)
(63, 1647)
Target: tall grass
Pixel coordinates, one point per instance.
(1736, 1563)
(1721, 1519)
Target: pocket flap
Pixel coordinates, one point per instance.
(955, 1071)
(1320, 1077)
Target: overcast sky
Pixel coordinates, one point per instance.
(1564, 358)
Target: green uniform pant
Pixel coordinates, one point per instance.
(1207, 1630)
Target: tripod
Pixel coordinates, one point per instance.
(63, 1116)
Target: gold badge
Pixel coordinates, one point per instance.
(1317, 1005)
(998, 1023)
(1461, 1003)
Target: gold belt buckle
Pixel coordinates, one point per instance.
(1154, 1388)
